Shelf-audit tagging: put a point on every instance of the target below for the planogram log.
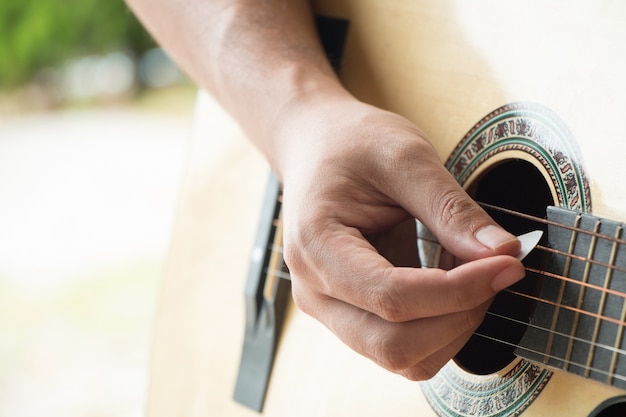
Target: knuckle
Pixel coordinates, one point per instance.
(299, 299)
(397, 158)
(307, 299)
(298, 249)
(302, 239)
(404, 152)
(386, 306)
(390, 353)
(454, 208)
(293, 258)
(388, 302)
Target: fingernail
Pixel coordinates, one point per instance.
(507, 277)
(492, 236)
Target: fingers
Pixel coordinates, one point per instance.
(408, 320)
(416, 349)
(347, 268)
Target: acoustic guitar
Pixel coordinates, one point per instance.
(524, 103)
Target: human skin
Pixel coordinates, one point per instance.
(350, 173)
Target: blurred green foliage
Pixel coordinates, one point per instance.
(36, 34)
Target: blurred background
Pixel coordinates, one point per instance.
(94, 122)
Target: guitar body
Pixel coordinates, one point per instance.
(453, 68)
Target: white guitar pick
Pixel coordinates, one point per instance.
(529, 241)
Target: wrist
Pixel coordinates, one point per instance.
(292, 114)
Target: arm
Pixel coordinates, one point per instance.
(257, 57)
(350, 173)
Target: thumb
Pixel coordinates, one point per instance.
(439, 202)
(461, 225)
(412, 175)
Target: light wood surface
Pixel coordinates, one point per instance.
(199, 328)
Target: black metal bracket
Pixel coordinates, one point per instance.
(266, 301)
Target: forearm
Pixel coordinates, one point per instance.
(261, 59)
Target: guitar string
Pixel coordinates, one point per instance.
(529, 217)
(589, 285)
(566, 307)
(544, 221)
(551, 250)
(596, 345)
(562, 253)
(576, 282)
(549, 274)
(591, 344)
(608, 374)
(552, 223)
(576, 257)
(581, 258)
(286, 275)
(611, 349)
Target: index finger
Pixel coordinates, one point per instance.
(358, 275)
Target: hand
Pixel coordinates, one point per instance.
(351, 172)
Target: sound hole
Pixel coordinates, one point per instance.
(614, 407)
(519, 186)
